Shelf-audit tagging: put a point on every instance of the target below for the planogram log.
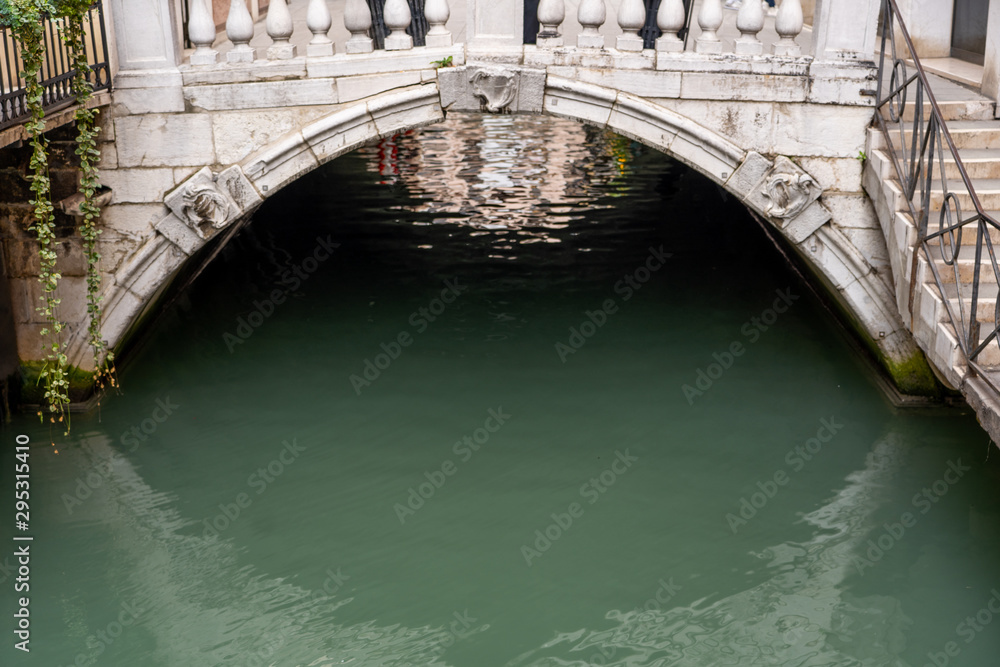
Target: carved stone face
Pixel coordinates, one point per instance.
(204, 204)
(496, 89)
(788, 193)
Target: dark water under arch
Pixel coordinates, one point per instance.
(635, 489)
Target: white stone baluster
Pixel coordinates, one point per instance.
(437, 14)
(201, 31)
(591, 15)
(631, 19)
(670, 19)
(239, 30)
(750, 21)
(279, 29)
(550, 16)
(788, 25)
(710, 20)
(319, 22)
(396, 14)
(358, 20)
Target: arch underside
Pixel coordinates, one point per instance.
(776, 189)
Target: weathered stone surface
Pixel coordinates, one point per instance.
(396, 112)
(262, 95)
(180, 234)
(161, 140)
(240, 133)
(353, 88)
(138, 186)
(380, 62)
(639, 82)
(340, 132)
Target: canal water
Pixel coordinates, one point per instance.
(504, 391)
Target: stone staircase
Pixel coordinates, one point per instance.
(976, 135)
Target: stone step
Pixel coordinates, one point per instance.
(965, 134)
(985, 306)
(987, 190)
(965, 263)
(953, 110)
(980, 163)
(989, 356)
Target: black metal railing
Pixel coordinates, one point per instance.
(418, 23)
(921, 149)
(57, 72)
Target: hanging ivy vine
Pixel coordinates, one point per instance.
(26, 21)
(74, 35)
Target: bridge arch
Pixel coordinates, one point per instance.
(218, 198)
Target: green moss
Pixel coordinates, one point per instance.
(81, 383)
(912, 376)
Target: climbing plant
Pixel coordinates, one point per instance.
(74, 35)
(26, 21)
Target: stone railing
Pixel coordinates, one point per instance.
(716, 30)
(357, 18)
(672, 20)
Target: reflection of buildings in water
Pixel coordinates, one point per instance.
(517, 177)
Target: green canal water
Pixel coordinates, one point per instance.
(504, 391)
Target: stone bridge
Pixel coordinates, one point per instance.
(773, 109)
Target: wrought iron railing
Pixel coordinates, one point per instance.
(920, 147)
(418, 23)
(57, 71)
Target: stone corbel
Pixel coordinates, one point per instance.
(782, 192)
(205, 204)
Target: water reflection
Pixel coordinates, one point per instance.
(804, 615)
(516, 178)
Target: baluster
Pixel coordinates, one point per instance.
(201, 31)
(631, 19)
(396, 14)
(358, 20)
(788, 25)
(750, 21)
(319, 23)
(437, 14)
(239, 30)
(710, 20)
(591, 15)
(670, 19)
(279, 29)
(550, 15)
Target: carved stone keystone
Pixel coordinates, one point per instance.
(492, 88)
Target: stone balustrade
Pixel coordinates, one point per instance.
(707, 29)
(356, 17)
